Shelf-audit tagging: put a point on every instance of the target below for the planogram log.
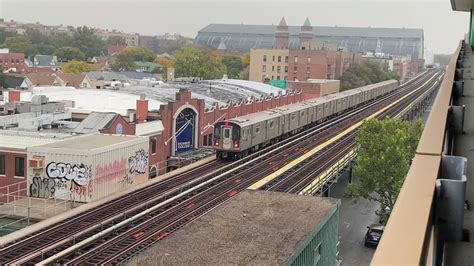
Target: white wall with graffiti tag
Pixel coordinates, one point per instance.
(85, 176)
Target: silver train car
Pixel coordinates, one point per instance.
(237, 137)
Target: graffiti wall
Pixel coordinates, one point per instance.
(85, 182)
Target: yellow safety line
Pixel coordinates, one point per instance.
(298, 160)
(326, 172)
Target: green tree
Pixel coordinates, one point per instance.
(125, 60)
(116, 40)
(363, 74)
(87, 41)
(4, 34)
(75, 66)
(69, 53)
(20, 44)
(385, 149)
(192, 62)
(233, 65)
(3, 83)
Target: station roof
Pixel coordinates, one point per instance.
(368, 32)
(104, 100)
(254, 227)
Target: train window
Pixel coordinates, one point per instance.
(257, 129)
(293, 116)
(271, 124)
(236, 133)
(217, 132)
(226, 133)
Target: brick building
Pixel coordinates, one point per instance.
(307, 62)
(13, 61)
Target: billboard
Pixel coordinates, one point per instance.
(185, 130)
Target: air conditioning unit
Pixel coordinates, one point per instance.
(36, 163)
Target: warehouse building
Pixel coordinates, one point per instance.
(242, 38)
(254, 228)
(87, 168)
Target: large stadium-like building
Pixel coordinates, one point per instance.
(240, 37)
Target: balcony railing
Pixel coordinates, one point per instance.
(412, 235)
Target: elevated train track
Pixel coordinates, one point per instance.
(176, 207)
(295, 180)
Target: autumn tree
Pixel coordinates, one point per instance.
(69, 53)
(245, 73)
(385, 149)
(192, 62)
(75, 66)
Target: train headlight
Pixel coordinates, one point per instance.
(216, 143)
(236, 143)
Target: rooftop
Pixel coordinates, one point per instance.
(89, 142)
(254, 227)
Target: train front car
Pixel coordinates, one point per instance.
(227, 140)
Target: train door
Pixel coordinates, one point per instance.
(226, 137)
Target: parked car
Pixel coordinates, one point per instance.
(373, 235)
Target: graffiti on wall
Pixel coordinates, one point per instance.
(42, 187)
(111, 171)
(138, 163)
(79, 174)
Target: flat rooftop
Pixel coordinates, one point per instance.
(90, 142)
(254, 227)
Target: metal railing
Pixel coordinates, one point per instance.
(411, 235)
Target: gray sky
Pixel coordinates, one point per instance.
(443, 27)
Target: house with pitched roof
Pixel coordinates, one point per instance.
(77, 80)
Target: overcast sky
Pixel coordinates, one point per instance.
(442, 26)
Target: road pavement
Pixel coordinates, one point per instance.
(353, 219)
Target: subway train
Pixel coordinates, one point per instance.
(237, 137)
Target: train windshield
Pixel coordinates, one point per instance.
(217, 132)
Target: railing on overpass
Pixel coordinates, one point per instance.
(413, 235)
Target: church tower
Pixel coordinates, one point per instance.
(306, 32)
(282, 35)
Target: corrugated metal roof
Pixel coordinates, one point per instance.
(11, 141)
(94, 122)
(318, 30)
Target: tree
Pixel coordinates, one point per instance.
(20, 44)
(385, 149)
(116, 40)
(192, 62)
(4, 34)
(3, 83)
(75, 66)
(125, 60)
(87, 41)
(165, 62)
(367, 72)
(233, 64)
(69, 53)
